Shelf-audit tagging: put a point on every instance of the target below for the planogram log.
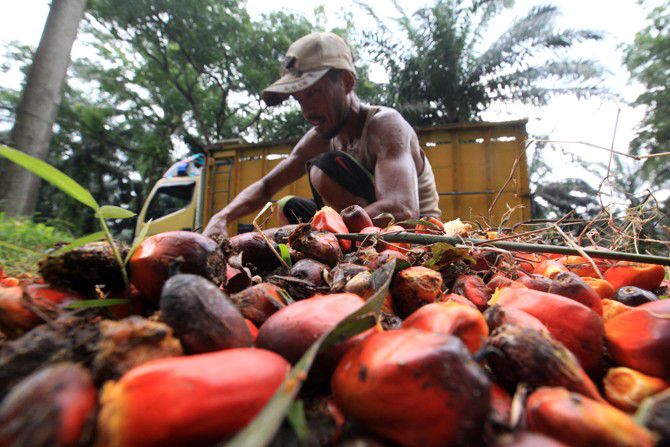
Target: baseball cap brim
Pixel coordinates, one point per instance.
(291, 83)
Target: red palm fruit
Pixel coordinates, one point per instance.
(9, 282)
(23, 308)
(576, 326)
(255, 253)
(501, 405)
(425, 229)
(355, 218)
(414, 388)
(581, 266)
(236, 280)
(259, 302)
(194, 400)
(640, 339)
(528, 261)
(414, 287)
(500, 282)
(327, 219)
(571, 286)
(519, 355)
(253, 330)
(473, 288)
(456, 298)
(526, 439)
(319, 245)
(460, 320)
(602, 287)
(613, 308)
(202, 316)
(535, 282)
(658, 306)
(53, 406)
(644, 276)
(149, 266)
(398, 246)
(292, 330)
(626, 388)
(579, 421)
(549, 268)
(497, 316)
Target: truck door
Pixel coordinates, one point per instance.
(171, 205)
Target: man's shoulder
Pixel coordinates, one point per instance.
(386, 119)
(310, 144)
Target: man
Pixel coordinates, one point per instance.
(355, 154)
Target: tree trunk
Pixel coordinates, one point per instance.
(36, 113)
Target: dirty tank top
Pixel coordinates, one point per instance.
(428, 197)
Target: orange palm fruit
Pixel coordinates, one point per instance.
(414, 388)
(644, 276)
(613, 308)
(327, 219)
(582, 422)
(602, 287)
(460, 320)
(581, 266)
(549, 268)
(194, 400)
(473, 288)
(579, 328)
(626, 388)
(253, 330)
(640, 339)
(414, 287)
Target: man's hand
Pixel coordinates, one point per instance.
(217, 226)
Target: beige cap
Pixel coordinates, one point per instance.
(306, 61)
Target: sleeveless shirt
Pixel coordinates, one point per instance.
(428, 197)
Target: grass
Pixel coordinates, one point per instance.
(23, 243)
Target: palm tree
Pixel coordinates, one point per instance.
(439, 72)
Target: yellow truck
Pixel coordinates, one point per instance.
(480, 170)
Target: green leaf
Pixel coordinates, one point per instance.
(287, 297)
(78, 243)
(296, 417)
(444, 254)
(422, 222)
(265, 425)
(114, 212)
(138, 240)
(96, 303)
(51, 175)
(285, 254)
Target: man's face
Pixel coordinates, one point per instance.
(324, 105)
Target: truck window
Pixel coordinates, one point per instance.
(168, 199)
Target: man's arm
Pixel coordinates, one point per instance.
(390, 138)
(260, 192)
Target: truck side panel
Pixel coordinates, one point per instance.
(471, 162)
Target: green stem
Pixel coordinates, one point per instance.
(115, 250)
(515, 246)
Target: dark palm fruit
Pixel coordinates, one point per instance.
(570, 285)
(280, 234)
(202, 317)
(310, 270)
(319, 245)
(258, 302)
(194, 253)
(52, 407)
(526, 355)
(355, 218)
(342, 273)
(84, 268)
(497, 316)
(633, 296)
(657, 416)
(256, 253)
